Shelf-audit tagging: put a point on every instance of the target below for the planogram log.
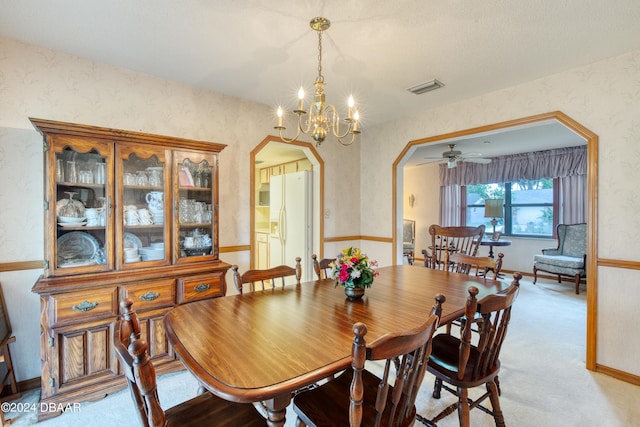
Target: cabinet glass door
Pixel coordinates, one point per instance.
(196, 201)
(80, 214)
(141, 214)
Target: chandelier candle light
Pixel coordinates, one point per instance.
(323, 118)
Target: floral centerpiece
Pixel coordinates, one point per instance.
(353, 270)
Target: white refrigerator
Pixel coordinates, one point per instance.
(290, 216)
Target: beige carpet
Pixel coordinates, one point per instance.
(544, 381)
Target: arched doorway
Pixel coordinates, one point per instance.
(272, 157)
(592, 211)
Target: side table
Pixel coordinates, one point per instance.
(492, 243)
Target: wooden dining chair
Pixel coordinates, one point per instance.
(322, 267)
(446, 241)
(266, 278)
(464, 264)
(458, 365)
(358, 396)
(6, 338)
(204, 409)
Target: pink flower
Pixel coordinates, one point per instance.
(354, 260)
(344, 274)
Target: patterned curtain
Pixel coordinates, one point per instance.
(568, 164)
(573, 190)
(450, 206)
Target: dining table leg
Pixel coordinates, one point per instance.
(277, 409)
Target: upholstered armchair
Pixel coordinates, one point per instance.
(569, 258)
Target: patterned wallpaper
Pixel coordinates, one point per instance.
(36, 82)
(603, 97)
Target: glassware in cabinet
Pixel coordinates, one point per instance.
(196, 204)
(142, 201)
(79, 216)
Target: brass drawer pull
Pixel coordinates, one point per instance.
(84, 306)
(150, 296)
(202, 287)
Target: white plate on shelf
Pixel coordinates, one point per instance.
(70, 220)
(132, 241)
(72, 224)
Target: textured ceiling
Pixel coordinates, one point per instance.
(263, 50)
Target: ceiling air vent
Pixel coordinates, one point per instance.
(426, 87)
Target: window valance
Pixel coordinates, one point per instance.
(534, 165)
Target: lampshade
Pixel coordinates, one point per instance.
(493, 208)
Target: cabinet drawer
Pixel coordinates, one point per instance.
(152, 294)
(82, 306)
(262, 237)
(194, 288)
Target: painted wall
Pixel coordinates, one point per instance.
(36, 82)
(603, 97)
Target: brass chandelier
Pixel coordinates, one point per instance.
(323, 118)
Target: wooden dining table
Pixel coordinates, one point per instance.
(263, 346)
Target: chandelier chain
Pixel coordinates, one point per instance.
(320, 76)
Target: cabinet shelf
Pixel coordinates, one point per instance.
(205, 189)
(142, 187)
(143, 227)
(80, 184)
(195, 225)
(81, 227)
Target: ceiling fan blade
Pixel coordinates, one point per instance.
(434, 160)
(472, 160)
(472, 154)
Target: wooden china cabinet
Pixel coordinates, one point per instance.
(127, 215)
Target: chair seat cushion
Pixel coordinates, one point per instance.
(321, 407)
(407, 246)
(208, 409)
(444, 361)
(559, 261)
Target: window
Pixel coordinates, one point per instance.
(530, 207)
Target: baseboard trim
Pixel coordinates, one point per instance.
(23, 386)
(617, 374)
(369, 238)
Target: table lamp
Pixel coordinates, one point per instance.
(493, 209)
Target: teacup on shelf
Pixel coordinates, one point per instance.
(144, 217)
(93, 216)
(131, 217)
(157, 216)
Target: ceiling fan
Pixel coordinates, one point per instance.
(452, 157)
